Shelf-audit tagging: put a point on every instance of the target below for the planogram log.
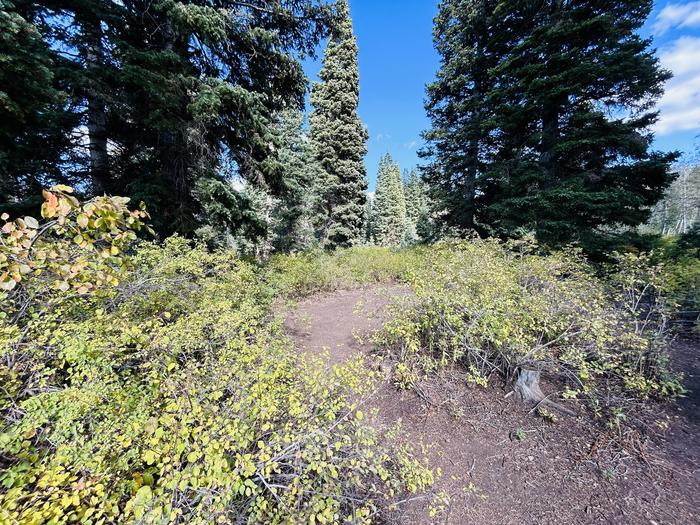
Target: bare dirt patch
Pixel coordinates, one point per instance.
(340, 322)
(501, 464)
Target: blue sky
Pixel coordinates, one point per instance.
(397, 60)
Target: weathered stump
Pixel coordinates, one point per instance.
(527, 386)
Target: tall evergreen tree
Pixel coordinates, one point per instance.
(35, 122)
(389, 209)
(679, 211)
(292, 211)
(369, 219)
(339, 140)
(417, 209)
(460, 138)
(169, 93)
(567, 142)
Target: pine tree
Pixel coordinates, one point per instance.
(567, 167)
(418, 223)
(273, 223)
(565, 148)
(457, 105)
(339, 140)
(35, 126)
(293, 230)
(179, 90)
(369, 220)
(389, 210)
(679, 210)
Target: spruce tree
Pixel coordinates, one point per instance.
(293, 230)
(178, 89)
(389, 210)
(369, 220)
(417, 209)
(679, 210)
(457, 105)
(565, 148)
(339, 140)
(35, 125)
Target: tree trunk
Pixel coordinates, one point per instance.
(93, 53)
(527, 386)
(551, 113)
(469, 187)
(475, 141)
(550, 138)
(173, 149)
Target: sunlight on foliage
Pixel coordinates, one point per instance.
(496, 308)
(80, 247)
(299, 275)
(170, 397)
(150, 383)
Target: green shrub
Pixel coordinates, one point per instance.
(172, 398)
(681, 283)
(78, 249)
(673, 263)
(680, 277)
(298, 275)
(496, 308)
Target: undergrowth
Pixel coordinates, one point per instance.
(167, 395)
(299, 275)
(151, 384)
(496, 309)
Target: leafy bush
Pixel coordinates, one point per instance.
(496, 309)
(680, 276)
(169, 397)
(681, 283)
(80, 247)
(303, 274)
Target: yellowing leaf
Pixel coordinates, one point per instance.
(149, 457)
(7, 284)
(143, 497)
(31, 222)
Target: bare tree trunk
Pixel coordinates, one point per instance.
(267, 244)
(685, 226)
(93, 53)
(527, 386)
(469, 186)
(99, 157)
(474, 145)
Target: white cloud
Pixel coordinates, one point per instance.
(677, 15)
(410, 145)
(682, 56)
(383, 136)
(680, 105)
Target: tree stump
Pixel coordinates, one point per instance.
(527, 386)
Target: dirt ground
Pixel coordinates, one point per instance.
(503, 465)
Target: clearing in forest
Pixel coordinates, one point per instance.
(500, 463)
